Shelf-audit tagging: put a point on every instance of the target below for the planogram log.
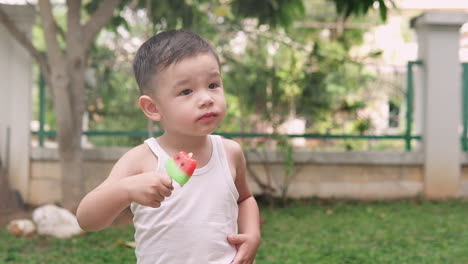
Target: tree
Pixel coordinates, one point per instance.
(63, 66)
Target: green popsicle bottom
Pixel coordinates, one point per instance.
(176, 173)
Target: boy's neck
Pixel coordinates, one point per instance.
(200, 146)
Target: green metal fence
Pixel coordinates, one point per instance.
(410, 104)
(464, 139)
(407, 136)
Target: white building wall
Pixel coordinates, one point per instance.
(15, 99)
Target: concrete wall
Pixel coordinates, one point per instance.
(355, 175)
(440, 92)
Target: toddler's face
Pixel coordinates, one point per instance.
(190, 96)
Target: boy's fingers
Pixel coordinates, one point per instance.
(155, 204)
(165, 192)
(158, 196)
(236, 239)
(239, 257)
(166, 181)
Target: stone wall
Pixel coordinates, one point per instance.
(353, 175)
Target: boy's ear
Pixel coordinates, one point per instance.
(148, 106)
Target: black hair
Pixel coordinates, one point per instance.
(164, 49)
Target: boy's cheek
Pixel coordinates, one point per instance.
(223, 102)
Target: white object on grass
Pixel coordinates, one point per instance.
(56, 221)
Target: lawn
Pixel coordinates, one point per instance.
(302, 232)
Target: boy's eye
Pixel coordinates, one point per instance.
(186, 92)
(213, 85)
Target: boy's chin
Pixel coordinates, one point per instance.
(204, 132)
(194, 131)
(197, 133)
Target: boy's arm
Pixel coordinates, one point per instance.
(248, 239)
(126, 183)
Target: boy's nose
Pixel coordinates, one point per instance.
(205, 100)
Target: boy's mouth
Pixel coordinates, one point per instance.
(207, 117)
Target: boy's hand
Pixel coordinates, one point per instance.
(149, 188)
(246, 245)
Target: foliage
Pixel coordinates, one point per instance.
(286, 148)
(361, 7)
(284, 70)
(113, 97)
(315, 231)
(294, 72)
(161, 13)
(271, 12)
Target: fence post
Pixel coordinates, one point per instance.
(465, 106)
(438, 36)
(409, 103)
(42, 109)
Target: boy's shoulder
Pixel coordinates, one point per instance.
(233, 150)
(140, 157)
(231, 145)
(137, 151)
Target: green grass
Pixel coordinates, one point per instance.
(302, 232)
(384, 232)
(91, 248)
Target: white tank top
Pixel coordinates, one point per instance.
(192, 224)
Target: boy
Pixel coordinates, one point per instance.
(213, 218)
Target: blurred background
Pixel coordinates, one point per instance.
(352, 114)
(328, 98)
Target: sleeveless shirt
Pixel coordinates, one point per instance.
(191, 225)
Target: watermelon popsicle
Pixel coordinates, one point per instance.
(181, 167)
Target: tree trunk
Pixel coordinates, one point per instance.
(68, 81)
(69, 131)
(72, 177)
(70, 152)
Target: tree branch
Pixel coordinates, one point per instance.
(50, 32)
(73, 19)
(26, 43)
(98, 20)
(76, 62)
